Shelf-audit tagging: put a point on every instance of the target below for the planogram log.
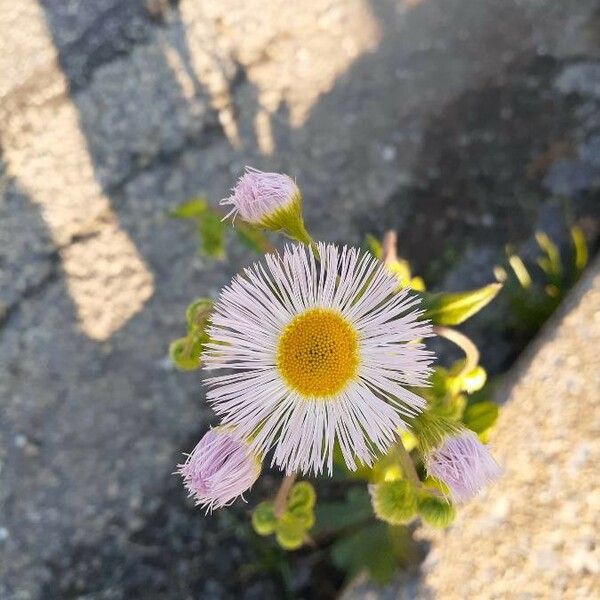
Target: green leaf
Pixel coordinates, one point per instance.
(480, 416)
(191, 209)
(550, 264)
(336, 516)
(211, 231)
(580, 258)
(252, 237)
(520, 271)
(455, 308)
(373, 246)
(369, 549)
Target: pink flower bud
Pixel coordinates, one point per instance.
(257, 195)
(220, 468)
(463, 464)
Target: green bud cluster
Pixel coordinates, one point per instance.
(291, 527)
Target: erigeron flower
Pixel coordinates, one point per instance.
(269, 200)
(321, 353)
(220, 468)
(463, 464)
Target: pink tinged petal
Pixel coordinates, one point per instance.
(257, 194)
(463, 464)
(365, 416)
(220, 468)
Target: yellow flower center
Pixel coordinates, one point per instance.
(317, 353)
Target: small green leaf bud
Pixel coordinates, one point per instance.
(302, 515)
(302, 495)
(197, 313)
(394, 502)
(263, 519)
(182, 354)
(435, 511)
(289, 533)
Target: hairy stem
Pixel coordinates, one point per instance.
(464, 343)
(407, 464)
(282, 494)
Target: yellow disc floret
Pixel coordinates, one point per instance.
(317, 353)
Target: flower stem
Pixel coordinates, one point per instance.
(388, 247)
(464, 343)
(407, 464)
(282, 494)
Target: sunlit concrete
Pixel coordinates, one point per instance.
(105, 275)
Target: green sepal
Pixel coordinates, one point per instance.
(288, 220)
(431, 428)
(456, 308)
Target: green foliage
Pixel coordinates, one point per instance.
(394, 502)
(339, 516)
(365, 531)
(456, 308)
(190, 209)
(377, 548)
(534, 297)
(211, 229)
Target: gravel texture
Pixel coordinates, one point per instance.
(445, 120)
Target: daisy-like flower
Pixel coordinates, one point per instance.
(463, 464)
(321, 353)
(220, 468)
(269, 200)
